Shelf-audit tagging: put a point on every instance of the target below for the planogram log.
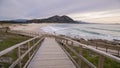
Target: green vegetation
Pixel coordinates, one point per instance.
(92, 57)
(8, 39)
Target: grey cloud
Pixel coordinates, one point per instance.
(12, 9)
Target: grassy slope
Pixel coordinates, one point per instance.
(93, 58)
(10, 40)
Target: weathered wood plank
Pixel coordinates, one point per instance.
(50, 55)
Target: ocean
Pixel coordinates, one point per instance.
(86, 31)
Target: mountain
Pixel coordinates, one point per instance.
(19, 20)
(54, 19)
(14, 21)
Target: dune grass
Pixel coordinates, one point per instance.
(8, 39)
(93, 58)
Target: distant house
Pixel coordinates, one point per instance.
(4, 29)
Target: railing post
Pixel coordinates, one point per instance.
(66, 42)
(28, 49)
(71, 43)
(80, 53)
(101, 61)
(19, 54)
(33, 42)
(118, 52)
(106, 49)
(63, 41)
(96, 46)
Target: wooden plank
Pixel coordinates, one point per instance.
(50, 55)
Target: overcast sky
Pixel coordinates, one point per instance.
(85, 10)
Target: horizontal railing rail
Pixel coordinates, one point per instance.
(32, 46)
(15, 46)
(21, 57)
(112, 48)
(67, 42)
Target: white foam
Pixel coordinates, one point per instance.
(78, 31)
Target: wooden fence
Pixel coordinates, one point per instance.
(65, 42)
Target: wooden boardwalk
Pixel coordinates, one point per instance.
(50, 55)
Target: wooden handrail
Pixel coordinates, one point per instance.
(112, 49)
(61, 39)
(102, 54)
(15, 46)
(38, 39)
(81, 57)
(20, 58)
(93, 49)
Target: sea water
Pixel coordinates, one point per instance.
(86, 31)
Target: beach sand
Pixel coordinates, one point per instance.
(32, 26)
(36, 27)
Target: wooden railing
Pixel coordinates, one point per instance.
(112, 49)
(69, 44)
(66, 44)
(24, 51)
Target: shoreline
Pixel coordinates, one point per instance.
(33, 27)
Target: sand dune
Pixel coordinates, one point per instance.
(35, 27)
